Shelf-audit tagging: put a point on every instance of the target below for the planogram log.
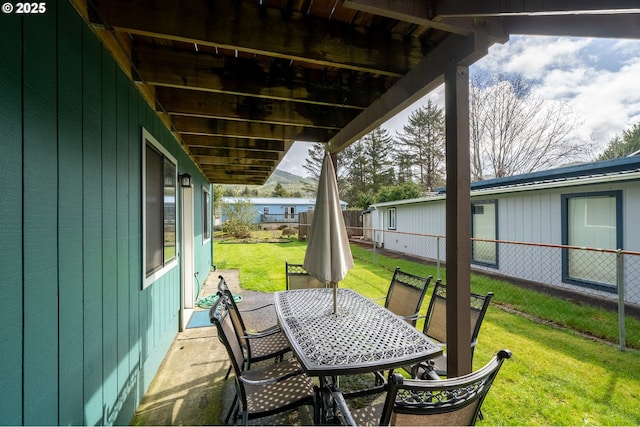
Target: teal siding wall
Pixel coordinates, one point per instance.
(11, 298)
(80, 340)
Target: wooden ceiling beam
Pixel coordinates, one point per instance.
(164, 66)
(221, 173)
(233, 181)
(235, 162)
(234, 153)
(474, 8)
(607, 26)
(187, 125)
(224, 142)
(418, 12)
(218, 105)
(252, 28)
(212, 168)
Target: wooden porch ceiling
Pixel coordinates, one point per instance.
(238, 81)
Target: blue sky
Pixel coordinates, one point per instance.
(599, 79)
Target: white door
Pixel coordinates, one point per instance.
(186, 258)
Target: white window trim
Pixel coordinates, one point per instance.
(392, 218)
(153, 277)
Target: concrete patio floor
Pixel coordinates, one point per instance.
(189, 388)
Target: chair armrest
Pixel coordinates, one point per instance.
(410, 317)
(261, 334)
(248, 310)
(341, 404)
(425, 371)
(272, 380)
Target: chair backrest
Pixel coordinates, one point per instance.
(435, 323)
(234, 314)
(299, 278)
(219, 316)
(453, 401)
(406, 293)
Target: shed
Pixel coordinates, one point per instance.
(591, 205)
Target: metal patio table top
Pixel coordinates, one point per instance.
(362, 337)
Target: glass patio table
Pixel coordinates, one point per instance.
(362, 337)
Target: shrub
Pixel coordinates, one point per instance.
(240, 218)
(287, 232)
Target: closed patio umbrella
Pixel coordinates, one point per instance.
(328, 256)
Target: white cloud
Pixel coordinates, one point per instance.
(598, 78)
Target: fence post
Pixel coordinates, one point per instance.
(620, 283)
(438, 257)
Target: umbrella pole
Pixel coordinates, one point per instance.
(334, 285)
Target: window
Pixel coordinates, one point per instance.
(484, 225)
(206, 215)
(265, 210)
(391, 225)
(159, 208)
(591, 220)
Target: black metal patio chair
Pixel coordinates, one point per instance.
(405, 294)
(452, 401)
(270, 343)
(266, 390)
(435, 324)
(297, 277)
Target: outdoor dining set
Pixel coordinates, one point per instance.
(335, 334)
(326, 336)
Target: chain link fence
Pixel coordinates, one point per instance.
(604, 277)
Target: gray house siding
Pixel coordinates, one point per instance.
(525, 215)
(80, 339)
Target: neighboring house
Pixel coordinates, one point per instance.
(99, 242)
(591, 205)
(276, 209)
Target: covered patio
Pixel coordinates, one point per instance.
(237, 82)
(105, 99)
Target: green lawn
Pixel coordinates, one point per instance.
(556, 375)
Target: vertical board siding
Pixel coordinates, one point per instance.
(11, 223)
(122, 235)
(81, 341)
(92, 226)
(109, 239)
(135, 240)
(40, 239)
(70, 184)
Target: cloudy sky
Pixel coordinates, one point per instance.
(598, 78)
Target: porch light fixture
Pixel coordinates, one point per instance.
(185, 180)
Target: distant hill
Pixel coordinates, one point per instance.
(292, 183)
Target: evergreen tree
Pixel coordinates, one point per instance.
(422, 145)
(623, 146)
(368, 167)
(279, 191)
(313, 165)
(407, 190)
